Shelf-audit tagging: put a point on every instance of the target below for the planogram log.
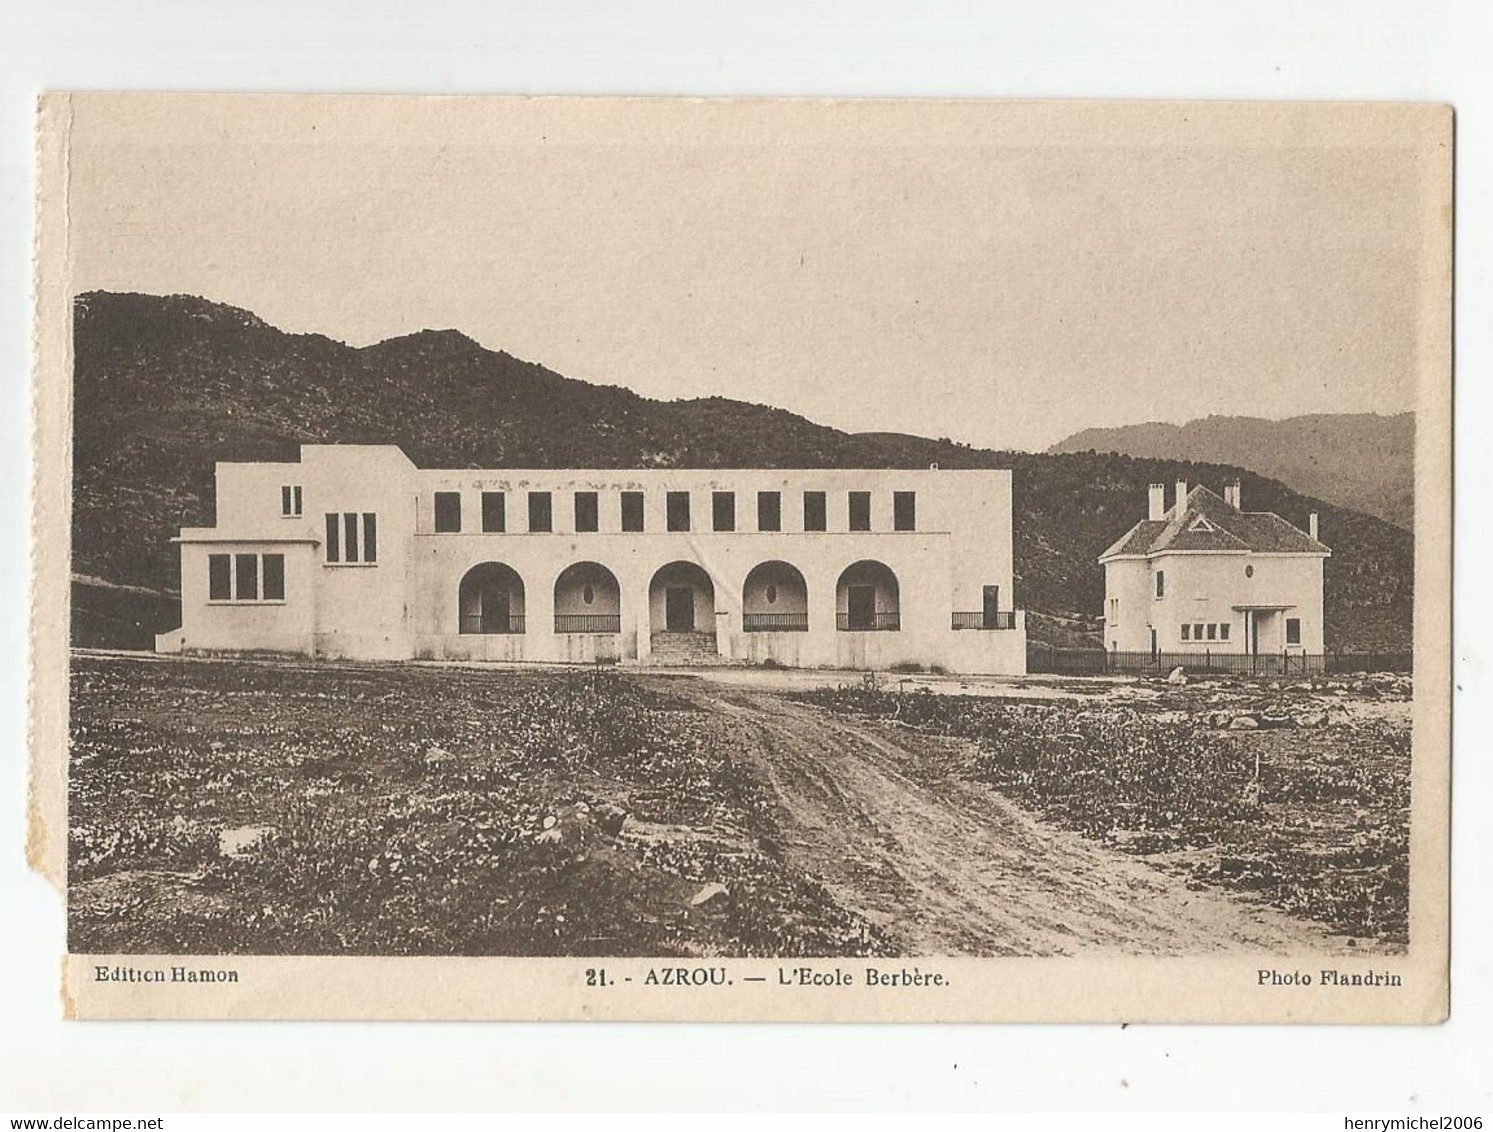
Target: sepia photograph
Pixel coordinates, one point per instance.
(762, 544)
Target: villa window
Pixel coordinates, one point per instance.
(1197, 631)
(1114, 611)
(541, 511)
(723, 510)
(219, 578)
(860, 510)
(447, 512)
(290, 501)
(1293, 630)
(814, 511)
(1213, 631)
(1160, 584)
(352, 537)
(245, 577)
(769, 511)
(1223, 631)
(676, 507)
(904, 510)
(632, 510)
(494, 518)
(587, 518)
(1186, 631)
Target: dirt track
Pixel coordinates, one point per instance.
(950, 867)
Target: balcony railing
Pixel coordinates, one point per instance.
(987, 619)
(775, 622)
(869, 622)
(487, 623)
(588, 622)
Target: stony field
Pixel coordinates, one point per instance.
(284, 808)
(1296, 791)
(294, 807)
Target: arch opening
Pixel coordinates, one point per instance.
(868, 598)
(681, 599)
(491, 599)
(588, 599)
(774, 599)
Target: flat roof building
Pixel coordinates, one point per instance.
(352, 551)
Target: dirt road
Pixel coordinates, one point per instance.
(950, 867)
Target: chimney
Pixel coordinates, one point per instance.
(1311, 524)
(1232, 495)
(1181, 496)
(1157, 506)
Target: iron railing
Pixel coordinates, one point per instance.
(588, 622)
(1043, 658)
(1005, 619)
(869, 622)
(775, 622)
(490, 623)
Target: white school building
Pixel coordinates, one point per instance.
(1206, 576)
(352, 551)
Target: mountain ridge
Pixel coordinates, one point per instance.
(166, 386)
(1319, 454)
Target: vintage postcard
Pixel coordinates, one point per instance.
(744, 559)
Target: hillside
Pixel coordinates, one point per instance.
(1358, 460)
(167, 386)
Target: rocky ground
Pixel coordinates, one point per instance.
(281, 807)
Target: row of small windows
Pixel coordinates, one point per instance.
(677, 513)
(1205, 631)
(352, 536)
(246, 577)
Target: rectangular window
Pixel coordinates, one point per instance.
(587, 517)
(676, 510)
(274, 577)
(1160, 584)
(334, 544)
(904, 510)
(1223, 631)
(1186, 632)
(814, 511)
(860, 510)
(723, 510)
(1197, 631)
(1114, 610)
(494, 519)
(632, 510)
(370, 537)
(219, 582)
(290, 501)
(1293, 630)
(447, 512)
(1213, 631)
(246, 577)
(769, 511)
(541, 511)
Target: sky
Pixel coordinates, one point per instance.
(1004, 274)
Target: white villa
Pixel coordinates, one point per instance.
(1208, 576)
(352, 551)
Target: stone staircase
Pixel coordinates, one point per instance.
(679, 649)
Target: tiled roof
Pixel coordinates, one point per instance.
(1231, 530)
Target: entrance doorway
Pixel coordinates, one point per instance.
(679, 609)
(860, 607)
(991, 606)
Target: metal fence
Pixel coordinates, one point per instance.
(983, 620)
(775, 622)
(868, 622)
(588, 622)
(1042, 658)
(486, 623)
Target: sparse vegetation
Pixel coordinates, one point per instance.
(231, 807)
(1315, 819)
